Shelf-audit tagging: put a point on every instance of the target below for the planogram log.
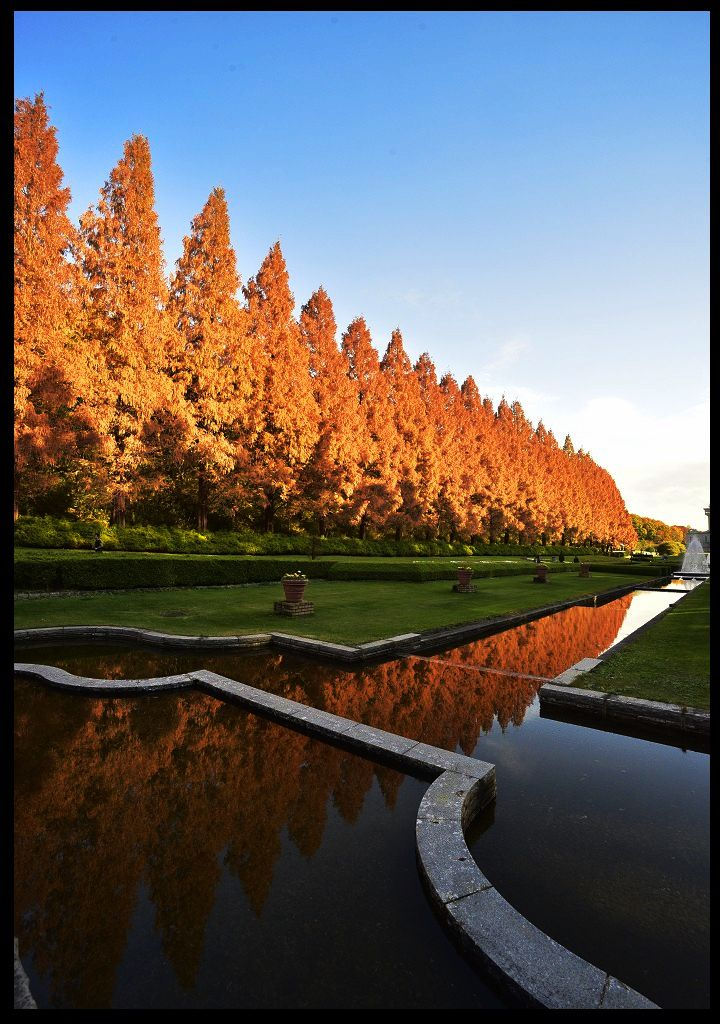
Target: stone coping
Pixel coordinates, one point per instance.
(413, 757)
(405, 643)
(523, 960)
(653, 713)
(527, 963)
(22, 996)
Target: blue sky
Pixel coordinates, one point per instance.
(524, 194)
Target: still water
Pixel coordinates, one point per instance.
(175, 851)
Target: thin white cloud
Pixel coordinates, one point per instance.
(507, 355)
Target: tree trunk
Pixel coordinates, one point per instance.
(543, 539)
(203, 491)
(118, 509)
(398, 533)
(268, 517)
(507, 537)
(363, 527)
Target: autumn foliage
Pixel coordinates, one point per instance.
(193, 398)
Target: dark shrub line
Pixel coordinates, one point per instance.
(114, 572)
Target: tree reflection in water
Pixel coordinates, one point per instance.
(431, 699)
(155, 790)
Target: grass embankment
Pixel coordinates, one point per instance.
(669, 661)
(345, 612)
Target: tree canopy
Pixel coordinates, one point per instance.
(191, 398)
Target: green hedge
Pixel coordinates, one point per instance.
(114, 571)
(48, 532)
(654, 568)
(107, 572)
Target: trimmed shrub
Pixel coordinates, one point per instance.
(39, 570)
(118, 572)
(636, 569)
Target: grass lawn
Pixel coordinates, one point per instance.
(346, 612)
(670, 661)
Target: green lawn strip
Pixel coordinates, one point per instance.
(74, 554)
(346, 612)
(669, 661)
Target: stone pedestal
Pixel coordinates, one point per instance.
(541, 574)
(464, 588)
(293, 608)
(584, 571)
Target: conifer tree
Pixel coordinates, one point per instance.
(209, 358)
(433, 451)
(288, 417)
(481, 458)
(333, 473)
(51, 426)
(125, 322)
(407, 418)
(378, 493)
(452, 487)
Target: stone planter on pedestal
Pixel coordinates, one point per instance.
(584, 570)
(294, 588)
(464, 585)
(541, 577)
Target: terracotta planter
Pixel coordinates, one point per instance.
(541, 574)
(464, 576)
(294, 590)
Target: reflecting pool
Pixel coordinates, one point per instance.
(176, 851)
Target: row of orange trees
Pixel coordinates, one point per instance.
(138, 392)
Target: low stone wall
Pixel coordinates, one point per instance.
(525, 962)
(648, 713)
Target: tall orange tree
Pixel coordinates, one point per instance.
(52, 430)
(286, 432)
(333, 472)
(377, 494)
(209, 356)
(482, 460)
(135, 403)
(452, 498)
(407, 439)
(434, 453)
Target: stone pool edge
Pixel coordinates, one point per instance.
(405, 643)
(561, 693)
(523, 960)
(534, 969)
